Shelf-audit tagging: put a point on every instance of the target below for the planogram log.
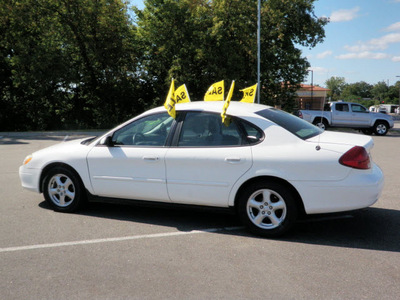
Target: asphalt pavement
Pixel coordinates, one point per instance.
(129, 252)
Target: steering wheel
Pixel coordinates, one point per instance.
(137, 138)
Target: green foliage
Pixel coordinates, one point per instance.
(206, 41)
(336, 86)
(366, 94)
(68, 64)
(357, 90)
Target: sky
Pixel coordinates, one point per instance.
(362, 41)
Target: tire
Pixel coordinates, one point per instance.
(367, 131)
(63, 190)
(267, 209)
(321, 123)
(381, 128)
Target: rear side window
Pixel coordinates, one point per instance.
(342, 107)
(253, 134)
(300, 128)
(206, 130)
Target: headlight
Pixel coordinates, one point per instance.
(27, 159)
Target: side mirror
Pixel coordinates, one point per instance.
(107, 141)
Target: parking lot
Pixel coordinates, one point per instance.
(130, 252)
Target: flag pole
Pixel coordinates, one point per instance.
(258, 51)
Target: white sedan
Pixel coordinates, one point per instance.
(268, 165)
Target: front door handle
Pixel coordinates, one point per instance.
(150, 158)
(233, 159)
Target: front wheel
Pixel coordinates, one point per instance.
(63, 190)
(267, 209)
(381, 128)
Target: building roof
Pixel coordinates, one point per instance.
(314, 87)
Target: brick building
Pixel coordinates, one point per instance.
(311, 97)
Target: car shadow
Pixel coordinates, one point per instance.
(370, 228)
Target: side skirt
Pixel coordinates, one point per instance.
(164, 205)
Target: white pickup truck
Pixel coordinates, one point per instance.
(349, 115)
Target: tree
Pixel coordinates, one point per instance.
(394, 93)
(69, 63)
(200, 41)
(360, 90)
(380, 91)
(86, 63)
(336, 86)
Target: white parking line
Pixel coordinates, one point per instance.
(116, 239)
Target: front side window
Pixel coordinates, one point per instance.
(207, 130)
(358, 108)
(148, 131)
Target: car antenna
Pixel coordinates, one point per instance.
(318, 147)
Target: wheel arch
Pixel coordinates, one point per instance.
(294, 192)
(382, 121)
(54, 165)
(323, 119)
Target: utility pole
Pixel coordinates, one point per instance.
(312, 85)
(258, 51)
(399, 96)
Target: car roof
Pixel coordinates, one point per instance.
(235, 108)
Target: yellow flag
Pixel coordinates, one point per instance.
(170, 101)
(226, 104)
(249, 94)
(181, 94)
(215, 92)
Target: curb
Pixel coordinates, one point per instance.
(51, 133)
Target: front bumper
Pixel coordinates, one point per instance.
(30, 178)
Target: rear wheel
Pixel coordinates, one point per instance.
(267, 209)
(367, 131)
(321, 123)
(63, 190)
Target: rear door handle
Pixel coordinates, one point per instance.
(233, 159)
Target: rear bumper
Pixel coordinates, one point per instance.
(358, 190)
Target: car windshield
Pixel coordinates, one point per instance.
(293, 124)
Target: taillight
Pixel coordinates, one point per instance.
(357, 158)
(300, 114)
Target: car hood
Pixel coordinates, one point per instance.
(345, 139)
(64, 152)
(63, 145)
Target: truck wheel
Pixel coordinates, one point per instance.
(381, 128)
(367, 131)
(321, 123)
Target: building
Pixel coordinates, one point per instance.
(311, 97)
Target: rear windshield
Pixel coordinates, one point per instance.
(295, 125)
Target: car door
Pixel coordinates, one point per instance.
(132, 165)
(206, 160)
(360, 115)
(341, 115)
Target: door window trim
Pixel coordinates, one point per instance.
(238, 122)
